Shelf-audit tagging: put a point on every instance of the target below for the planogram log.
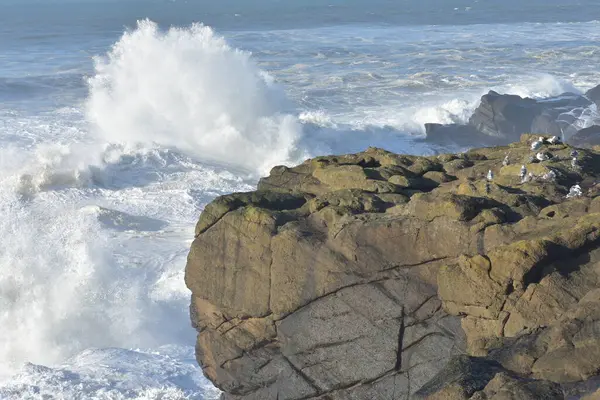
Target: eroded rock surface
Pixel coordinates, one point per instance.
(385, 276)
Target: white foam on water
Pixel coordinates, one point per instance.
(409, 115)
(99, 223)
(319, 118)
(188, 89)
(94, 259)
(166, 373)
(540, 86)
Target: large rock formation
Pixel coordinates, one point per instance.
(385, 276)
(500, 119)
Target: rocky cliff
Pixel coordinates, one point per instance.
(385, 276)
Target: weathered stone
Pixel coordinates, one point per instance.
(459, 379)
(500, 118)
(586, 137)
(364, 276)
(504, 115)
(507, 387)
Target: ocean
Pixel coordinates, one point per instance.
(121, 120)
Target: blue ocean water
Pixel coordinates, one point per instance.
(120, 120)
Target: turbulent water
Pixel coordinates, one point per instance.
(119, 121)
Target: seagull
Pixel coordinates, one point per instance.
(574, 191)
(541, 156)
(554, 140)
(490, 175)
(523, 173)
(537, 144)
(506, 161)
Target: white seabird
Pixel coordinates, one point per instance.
(574, 191)
(554, 140)
(537, 144)
(541, 156)
(523, 173)
(506, 161)
(490, 175)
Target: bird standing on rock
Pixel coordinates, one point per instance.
(535, 146)
(506, 161)
(543, 156)
(523, 173)
(554, 140)
(574, 191)
(490, 176)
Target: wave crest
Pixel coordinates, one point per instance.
(188, 89)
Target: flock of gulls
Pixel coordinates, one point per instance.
(541, 156)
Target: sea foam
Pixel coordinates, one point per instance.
(188, 89)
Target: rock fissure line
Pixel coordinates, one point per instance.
(304, 376)
(329, 294)
(419, 264)
(398, 365)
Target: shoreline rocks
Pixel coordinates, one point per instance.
(500, 119)
(384, 276)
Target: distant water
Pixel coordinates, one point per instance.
(114, 134)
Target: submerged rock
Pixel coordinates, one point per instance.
(384, 276)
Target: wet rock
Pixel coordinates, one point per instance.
(501, 118)
(505, 116)
(586, 137)
(594, 94)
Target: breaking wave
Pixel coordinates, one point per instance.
(188, 89)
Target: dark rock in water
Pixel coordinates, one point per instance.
(384, 276)
(586, 137)
(505, 116)
(594, 94)
(579, 101)
(546, 123)
(501, 119)
(462, 135)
